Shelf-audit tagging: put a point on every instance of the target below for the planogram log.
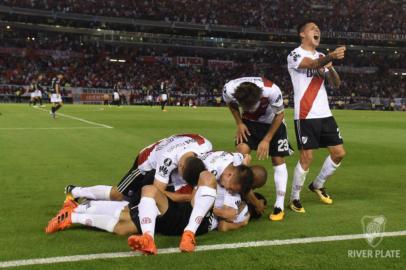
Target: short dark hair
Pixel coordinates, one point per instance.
(246, 178)
(251, 208)
(191, 172)
(247, 94)
(303, 24)
(260, 176)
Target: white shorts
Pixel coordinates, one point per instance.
(149, 98)
(56, 98)
(116, 96)
(38, 93)
(32, 95)
(164, 97)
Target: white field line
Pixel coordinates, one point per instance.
(265, 243)
(45, 128)
(78, 119)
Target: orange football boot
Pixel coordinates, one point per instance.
(188, 242)
(143, 243)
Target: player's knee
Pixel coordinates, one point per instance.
(121, 228)
(306, 157)
(260, 176)
(116, 195)
(149, 191)
(243, 148)
(338, 156)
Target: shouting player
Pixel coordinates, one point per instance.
(261, 127)
(315, 125)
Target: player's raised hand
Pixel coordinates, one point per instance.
(263, 150)
(338, 53)
(242, 133)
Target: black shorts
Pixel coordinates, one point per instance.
(317, 133)
(175, 219)
(279, 146)
(131, 184)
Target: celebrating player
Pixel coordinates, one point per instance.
(261, 127)
(314, 124)
(153, 165)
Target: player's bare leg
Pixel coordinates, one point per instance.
(152, 204)
(330, 165)
(281, 179)
(202, 202)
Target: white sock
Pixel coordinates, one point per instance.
(147, 213)
(329, 167)
(203, 201)
(92, 193)
(299, 178)
(108, 208)
(103, 222)
(281, 179)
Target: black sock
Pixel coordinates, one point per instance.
(40, 102)
(53, 109)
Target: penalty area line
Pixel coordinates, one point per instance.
(78, 119)
(265, 243)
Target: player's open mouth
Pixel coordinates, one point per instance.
(316, 37)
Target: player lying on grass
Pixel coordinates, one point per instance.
(224, 168)
(153, 165)
(261, 126)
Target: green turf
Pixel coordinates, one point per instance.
(36, 164)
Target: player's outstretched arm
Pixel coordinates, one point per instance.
(172, 195)
(226, 212)
(308, 63)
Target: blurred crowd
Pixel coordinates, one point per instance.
(335, 15)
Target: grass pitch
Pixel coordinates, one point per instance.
(39, 156)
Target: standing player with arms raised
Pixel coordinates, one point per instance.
(315, 125)
(261, 127)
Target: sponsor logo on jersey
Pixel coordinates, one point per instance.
(167, 162)
(163, 170)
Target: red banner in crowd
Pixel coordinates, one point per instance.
(220, 64)
(189, 61)
(93, 97)
(56, 54)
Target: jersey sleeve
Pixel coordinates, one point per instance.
(232, 200)
(163, 169)
(227, 96)
(294, 59)
(276, 99)
(237, 159)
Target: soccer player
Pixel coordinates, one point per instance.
(261, 127)
(163, 95)
(171, 218)
(116, 94)
(315, 125)
(153, 165)
(56, 98)
(223, 169)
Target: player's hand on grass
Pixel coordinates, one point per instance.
(263, 150)
(338, 53)
(242, 133)
(260, 206)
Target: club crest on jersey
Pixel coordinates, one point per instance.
(214, 172)
(167, 162)
(163, 170)
(304, 139)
